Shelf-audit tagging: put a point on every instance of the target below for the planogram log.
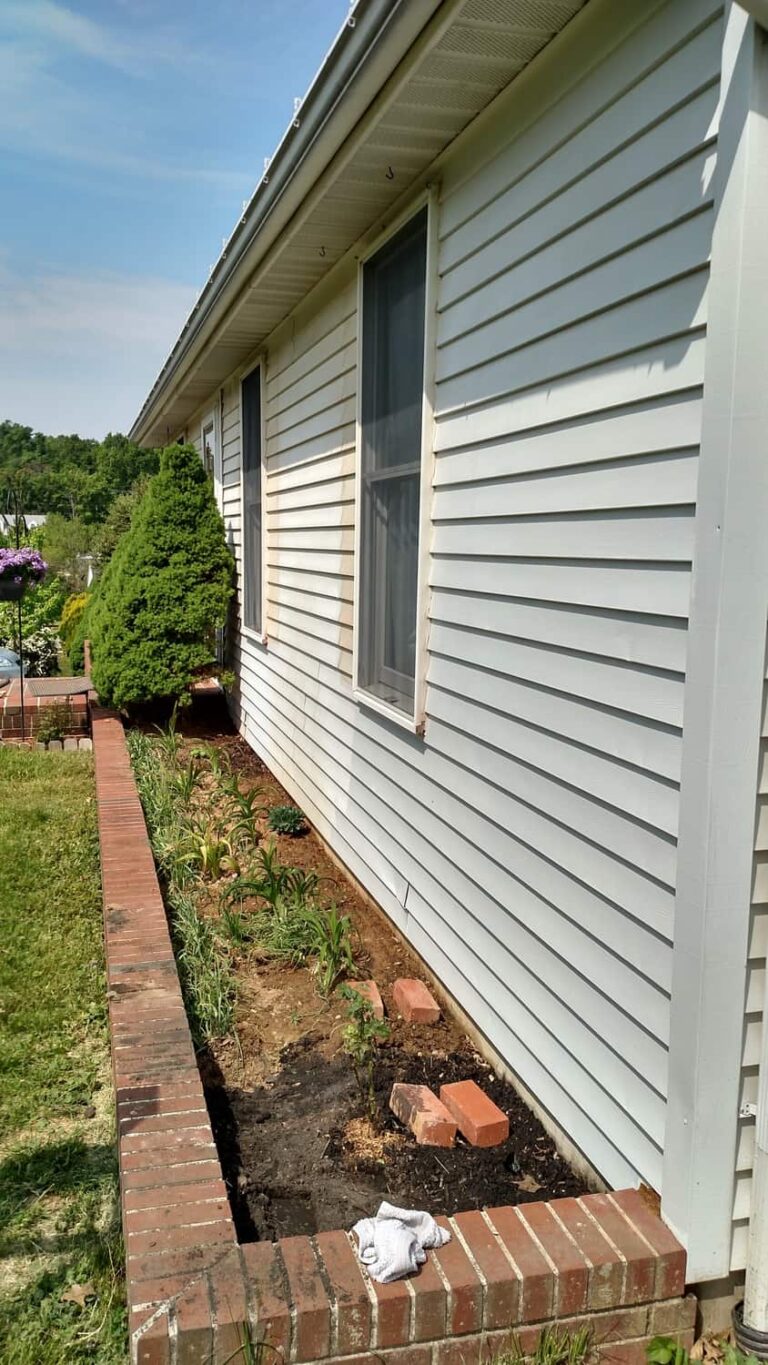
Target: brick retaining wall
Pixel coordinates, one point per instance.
(35, 709)
(193, 1293)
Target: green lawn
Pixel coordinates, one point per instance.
(59, 1211)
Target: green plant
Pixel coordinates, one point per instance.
(247, 812)
(204, 965)
(204, 969)
(286, 820)
(211, 846)
(331, 946)
(170, 739)
(234, 926)
(359, 1038)
(154, 610)
(187, 780)
(71, 614)
(667, 1351)
(555, 1346)
(55, 724)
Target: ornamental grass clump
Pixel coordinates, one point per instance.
(153, 614)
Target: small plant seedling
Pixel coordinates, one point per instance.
(170, 739)
(212, 848)
(287, 820)
(187, 780)
(331, 935)
(247, 813)
(361, 1034)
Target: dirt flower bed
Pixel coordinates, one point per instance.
(299, 1150)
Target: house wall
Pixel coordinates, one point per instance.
(526, 845)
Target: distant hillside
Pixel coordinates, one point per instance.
(76, 477)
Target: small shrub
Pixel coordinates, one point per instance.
(286, 820)
(154, 610)
(361, 1034)
(55, 724)
(41, 652)
(71, 616)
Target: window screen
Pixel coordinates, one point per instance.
(394, 297)
(252, 550)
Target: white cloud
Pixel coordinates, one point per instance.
(62, 28)
(46, 112)
(80, 352)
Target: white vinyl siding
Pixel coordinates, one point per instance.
(753, 1006)
(525, 844)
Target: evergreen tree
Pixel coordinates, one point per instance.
(153, 613)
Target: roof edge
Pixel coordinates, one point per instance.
(381, 28)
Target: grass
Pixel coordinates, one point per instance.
(205, 971)
(59, 1212)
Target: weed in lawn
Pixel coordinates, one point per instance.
(331, 946)
(360, 1036)
(286, 820)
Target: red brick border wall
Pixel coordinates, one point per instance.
(195, 1296)
(34, 712)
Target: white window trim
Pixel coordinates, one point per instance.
(414, 723)
(260, 363)
(212, 419)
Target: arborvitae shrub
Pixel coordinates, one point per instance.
(153, 614)
(71, 614)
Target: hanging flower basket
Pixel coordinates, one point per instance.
(11, 589)
(19, 569)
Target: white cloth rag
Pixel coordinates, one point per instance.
(396, 1241)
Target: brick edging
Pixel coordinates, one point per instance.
(603, 1259)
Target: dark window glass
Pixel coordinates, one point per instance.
(252, 553)
(394, 298)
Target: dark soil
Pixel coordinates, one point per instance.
(297, 1152)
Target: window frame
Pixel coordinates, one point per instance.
(250, 632)
(413, 722)
(212, 421)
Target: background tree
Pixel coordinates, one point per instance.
(154, 611)
(66, 544)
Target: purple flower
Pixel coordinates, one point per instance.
(22, 566)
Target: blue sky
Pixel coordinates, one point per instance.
(131, 131)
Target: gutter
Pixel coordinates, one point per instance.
(369, 46)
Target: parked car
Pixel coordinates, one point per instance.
(10, 664)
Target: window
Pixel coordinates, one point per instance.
(212, 454)
(391, 427)
(250, 413)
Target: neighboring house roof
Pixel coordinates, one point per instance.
(7, 522)
(401, 80)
